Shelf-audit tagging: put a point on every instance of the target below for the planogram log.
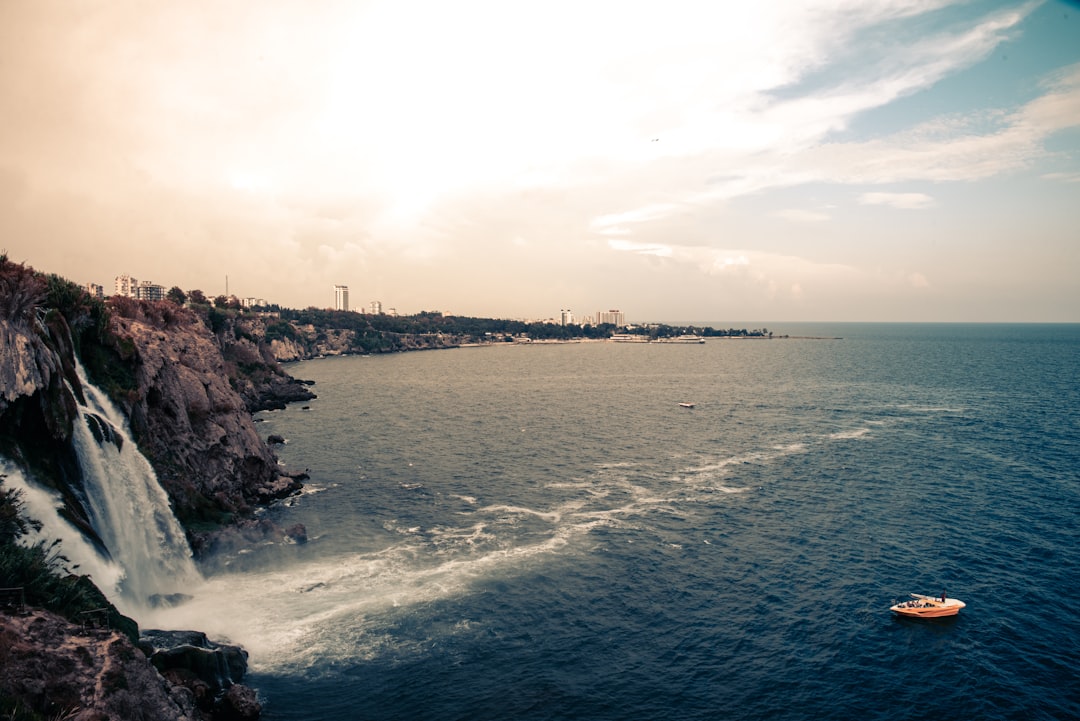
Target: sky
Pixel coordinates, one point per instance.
(780, 160)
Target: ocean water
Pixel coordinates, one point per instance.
(542, 532)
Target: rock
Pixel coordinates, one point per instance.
(52, 668)
(189, 421)
(217, 546)
(297, 532)
(274, 439)
(239, 703)
(218, 666)
(168, 600)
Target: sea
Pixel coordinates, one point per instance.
(542, 532)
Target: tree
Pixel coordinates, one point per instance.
(197, 297)
(176, 295)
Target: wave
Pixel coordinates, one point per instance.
(849, 435)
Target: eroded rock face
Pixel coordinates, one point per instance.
(219, 666)
(195, 428)
(61, 670)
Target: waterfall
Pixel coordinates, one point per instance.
(43, 505)
(128, 508)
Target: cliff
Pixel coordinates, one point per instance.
(188, 415)
(188, 390)
(53, 667)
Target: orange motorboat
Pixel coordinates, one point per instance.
(928, 606)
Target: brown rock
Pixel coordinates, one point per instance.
(240, 703)
(59, 670)
(196, 430)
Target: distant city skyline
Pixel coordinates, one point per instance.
(785, 160)
(130, 286)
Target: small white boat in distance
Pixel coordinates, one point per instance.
(687, 405)
(928, 606)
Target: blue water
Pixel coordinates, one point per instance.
(543, 533)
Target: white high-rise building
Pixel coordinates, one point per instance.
(376, 307)
(341, 297)
(566, 317)
(615, 317)
(127, 286)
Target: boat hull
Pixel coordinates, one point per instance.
(927, 607)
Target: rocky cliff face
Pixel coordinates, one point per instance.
(285, 341)
(57, 669)
(311, 342)
(190, 421)
(187, 391)
(189, 409)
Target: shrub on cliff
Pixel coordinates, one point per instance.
(161, 314)
(22, 289)
(39, 570)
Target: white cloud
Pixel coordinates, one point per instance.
(1063, 177)
(657, 249)
(905, 201)
(796, 215)
(766, 140)
(357, 139)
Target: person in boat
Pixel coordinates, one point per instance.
(943, 597)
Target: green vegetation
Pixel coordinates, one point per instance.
(38, 569)
(22, 289)
(376, 332)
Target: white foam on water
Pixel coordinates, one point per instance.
(550, 516)
(298, 617)
(849, 435)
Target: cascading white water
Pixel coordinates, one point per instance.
(43, 505)
(128, 508)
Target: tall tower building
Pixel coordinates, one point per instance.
(566, 317)
(341, 297)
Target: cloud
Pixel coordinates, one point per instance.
(1063, 177)
(779, 139)
(657, 249)
(803, 216)
(306, 144)
(906, 201)
(615, 223)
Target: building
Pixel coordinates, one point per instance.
(127, 286)
(566, 317)
(614, 317)
(149, 291)
(95, 290)
(376, 307)
(341, 297)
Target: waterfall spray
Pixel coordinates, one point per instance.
(127, 506)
